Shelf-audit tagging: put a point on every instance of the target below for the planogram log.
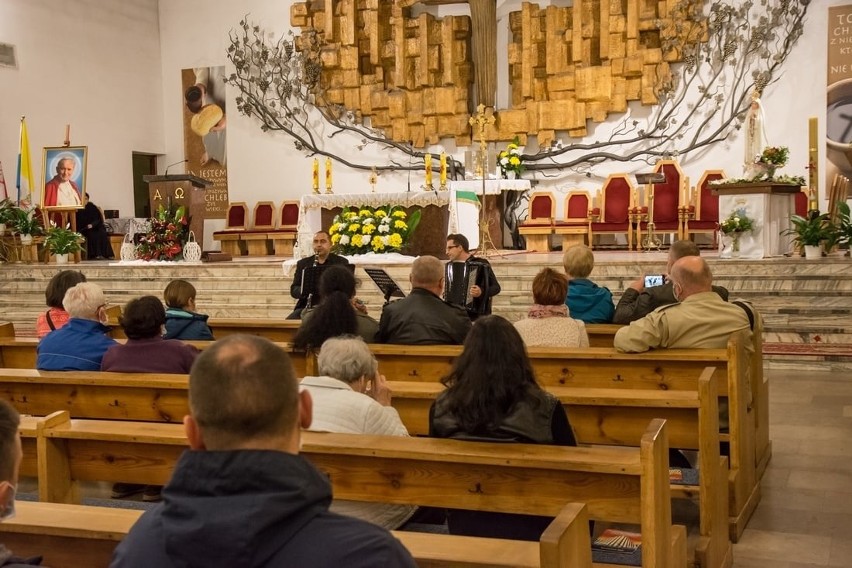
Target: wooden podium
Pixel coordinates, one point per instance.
(769, 204)
(181, 189)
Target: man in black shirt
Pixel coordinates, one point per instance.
(464, 268)
(322, 257)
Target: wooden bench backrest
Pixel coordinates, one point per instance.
(81, 535)
(617, 484)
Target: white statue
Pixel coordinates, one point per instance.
(755, 137)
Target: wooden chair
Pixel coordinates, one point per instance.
(574, 226)
(538, 226)
(669, 197)
(703, 215)
(235, 223)
(613, 217)
(285, 237)
(263, 221)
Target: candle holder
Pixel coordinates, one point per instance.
(443, 187)
(428, 187)
(374, 177)
(650, 241)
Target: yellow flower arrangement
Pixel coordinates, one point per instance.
(510, 158)
(362, 230)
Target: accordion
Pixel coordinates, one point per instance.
(460, 278)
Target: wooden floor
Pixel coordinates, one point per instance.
(805, 515)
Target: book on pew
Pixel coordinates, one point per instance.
(616, 546)
(683, 476)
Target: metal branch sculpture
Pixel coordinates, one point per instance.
(729, 51)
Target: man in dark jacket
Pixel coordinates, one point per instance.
(639, 301)
(463, 268)
(243, 496)
(322, 257)
(423, 318)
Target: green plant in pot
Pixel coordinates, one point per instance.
(60, 240)
(26, 222)
(7, 212)
(811, 230)
(844, 224)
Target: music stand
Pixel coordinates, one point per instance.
(311, 278)
(648, 180)
(385, 283)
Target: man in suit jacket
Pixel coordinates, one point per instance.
(482, 289)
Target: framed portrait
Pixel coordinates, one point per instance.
(63, 177)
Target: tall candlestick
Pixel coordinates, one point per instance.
(428, 160)
(443, 169)
(315, 184)
(328, 175)
(813, 160)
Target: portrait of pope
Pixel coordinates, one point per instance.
(64, 170)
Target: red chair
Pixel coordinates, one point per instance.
(613, 217)
(264, 215)
(285, 237)
(703, 216)
(574, 226)
(256, 240)
(802, 203)
(538, 226)
(235, 224)
(669, 199)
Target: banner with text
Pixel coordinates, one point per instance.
(838, 120)
(204, 134)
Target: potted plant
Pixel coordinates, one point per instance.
(733, 226)
(7, 215)
(844, 225)
(810, 231)
(61, 242)
(27, 224)
(510, 160)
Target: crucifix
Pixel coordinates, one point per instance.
(480, 121)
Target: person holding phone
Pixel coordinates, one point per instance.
(649, 292)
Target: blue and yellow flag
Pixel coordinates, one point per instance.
(25, 182)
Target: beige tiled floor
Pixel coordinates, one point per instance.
(805, 515)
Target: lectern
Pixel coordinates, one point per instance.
(181, 189)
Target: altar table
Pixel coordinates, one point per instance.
(769, 205)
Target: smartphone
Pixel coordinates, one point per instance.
(652, 280)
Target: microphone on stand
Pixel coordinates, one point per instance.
(411, 149)
(173, 165)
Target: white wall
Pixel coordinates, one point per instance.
(94, 64)
(125, 94)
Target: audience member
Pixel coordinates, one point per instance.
(352, 397)
(492, 394)
(481, 288)
(423, 318)
(547, 323)
(700, 319)
(146, 352)
(639, 301)
(80, 344)
(182, 321)
(11, 456)
(56, 316)
(586, 300)
(322, 256)
(339, 312)
(243, 496)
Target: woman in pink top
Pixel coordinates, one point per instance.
(56, 316)
(547, 324)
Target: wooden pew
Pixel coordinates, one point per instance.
(278, 330)
(80, 535)
(601, 334)
(618, 417)
(627, 485)
(663, 369)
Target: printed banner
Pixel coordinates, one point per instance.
(838, 121)
(204, 133)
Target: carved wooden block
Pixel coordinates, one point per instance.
(567, 65)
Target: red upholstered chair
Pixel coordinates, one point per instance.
(574, 226)
(613, 217)
(235, 224)
(802, 203)
(285, 237)
(264, 215)
(289, 218)
(538, 226)
(667, 203)
(703, 216)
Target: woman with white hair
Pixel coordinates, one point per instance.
(352, 397)
(80, 344)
